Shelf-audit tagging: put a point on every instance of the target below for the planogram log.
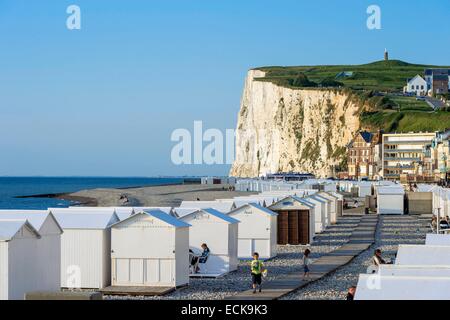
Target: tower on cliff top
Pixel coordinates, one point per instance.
(386, 55)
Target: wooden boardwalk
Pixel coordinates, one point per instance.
(363, 236)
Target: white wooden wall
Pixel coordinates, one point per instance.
(4, 270)
(84, 250)
(22, 271)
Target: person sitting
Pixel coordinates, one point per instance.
(378, 259)
(205, 254)
(196, 260)
(351, 293)
(443, 224)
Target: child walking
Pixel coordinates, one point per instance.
(306, 262)
(257, 268)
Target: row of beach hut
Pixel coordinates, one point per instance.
(92, 248)
(420, 272)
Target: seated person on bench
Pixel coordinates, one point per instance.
(200, 259)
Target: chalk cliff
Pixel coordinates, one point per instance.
(284, 129)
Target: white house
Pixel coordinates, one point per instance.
(257, 231)
(150, 249)
(85, 247)
(48, 247)
(18, 272)
(390, 200)
(220, 233)
(417, 86)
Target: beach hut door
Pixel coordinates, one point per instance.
(143, 272)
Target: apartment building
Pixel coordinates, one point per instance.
(407, 156)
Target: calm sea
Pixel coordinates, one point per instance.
(11, 187)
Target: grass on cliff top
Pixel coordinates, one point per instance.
(383, 76)
(406, 121)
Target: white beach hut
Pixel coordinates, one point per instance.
(390, 200)
(220, 233)
(320, 207)
(181, 212)
(241, 201)
(18, 243)
(124, 212)
(150, 249)
(295, 221)
(222, 206)
(257, 231)
(413, 271)
(48, 247)
(85, 247)
(437, 239)
(430, 255)
(364, 189)
(333, 208)
(340, 203)
(376, 287)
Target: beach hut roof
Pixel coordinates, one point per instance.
(167, 210)
(317, 198)
(217, 214)
(391, 190)
(243, 201)
(257, 206)
(181, 212)
(304, 201)
(35, 217)
(71, 219)
(289, 199)
(160, 215)
(222, 206)
(10, 227)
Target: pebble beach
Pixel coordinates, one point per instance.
(288, 260)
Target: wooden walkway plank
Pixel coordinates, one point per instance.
(363, 236)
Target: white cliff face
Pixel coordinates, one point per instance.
(281, 129)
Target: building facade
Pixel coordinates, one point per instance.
(438, 80)
(407, 156)
(417, 86)
(363, 156)
(440, 147)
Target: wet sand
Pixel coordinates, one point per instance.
(154, 196)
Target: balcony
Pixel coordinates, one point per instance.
(401, 167)
(400, 159)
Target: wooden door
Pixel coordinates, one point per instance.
(293, 219)
(303, 227)
(282, 227)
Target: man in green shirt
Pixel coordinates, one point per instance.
(257, 268)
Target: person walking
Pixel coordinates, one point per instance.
(306, 262)
(257, 268)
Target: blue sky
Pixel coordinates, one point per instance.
(105, 99)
